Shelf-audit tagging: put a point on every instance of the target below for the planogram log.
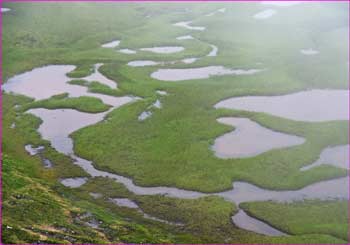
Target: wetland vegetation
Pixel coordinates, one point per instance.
(80, 166)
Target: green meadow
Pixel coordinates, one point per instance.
(172, 148)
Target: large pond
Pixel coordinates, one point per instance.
(249, 139)
(44, 82)
(311, 105)
(173, 75)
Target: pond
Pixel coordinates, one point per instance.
(111, 44)
(311, 105)
(173, 75)
(164, 50)
(249, 139)
(265, 14)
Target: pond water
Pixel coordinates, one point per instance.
(164, 50)
(127, 51)
(73, 182)
(222, 10)
(186, 24)
(3, 10)
(249, 139)
(310, 105)
(161, 92)
(98, 77)
(139, 63)
(214, 50)
(58, 124)
(44, 82)
(144, 115)
(244, 221)
(337, 156)
(189, 60)
(33, 150)
(111, 44)
(265, 14)
(324, 190)
(95, 195)
(124, 202)
(47, 163)
(187, 37)
(309, 51)
(173, 75)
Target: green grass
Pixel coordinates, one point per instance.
(96, 87)
(172, 148)
(210, 218)
(83, 103)
(309, 217)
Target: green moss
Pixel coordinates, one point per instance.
(309, 217)
(172, 147)
(83, 103)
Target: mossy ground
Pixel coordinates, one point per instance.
(172, 148)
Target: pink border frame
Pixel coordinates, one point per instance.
(207, 1)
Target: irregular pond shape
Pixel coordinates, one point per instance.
(73, 182)
(222, 10)
(173, 75)
(95, 195)
(58, 124)
(265, 14)
(98, 77)
(187, 37)
(44, 82)
(186, 24)
(47, 163)
(161, 92)
(246, 222)
(337, 156)
(249, 139)
(324, 190)
(138, 190)
(124, 202)
(127, 51)
(138, 63)
(144, 115)
(242, 192)
(3, 10)
(311, 105)
(111, 44)
(213, 51)
(33, 150)
(281, 3)
(164, 50)
(189, 60)
(157, 104)
(309, 51)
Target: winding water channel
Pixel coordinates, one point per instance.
(57, 126)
